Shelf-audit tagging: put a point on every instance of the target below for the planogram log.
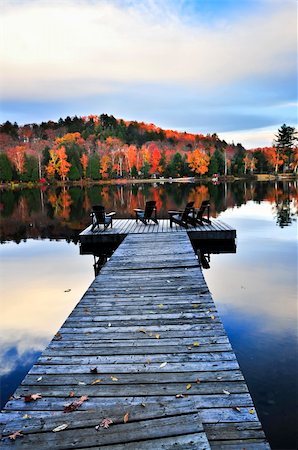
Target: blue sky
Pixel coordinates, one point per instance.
(205, 66)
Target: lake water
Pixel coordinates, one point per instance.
(43, 276)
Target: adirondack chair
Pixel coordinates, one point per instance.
(149, 213)
(99, 217)
(182, 217)
(201, 214)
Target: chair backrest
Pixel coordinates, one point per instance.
(99, 212)
(205, 205)
(188, 209)
(149, 208)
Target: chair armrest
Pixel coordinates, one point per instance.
(110, 214)
(138, 210)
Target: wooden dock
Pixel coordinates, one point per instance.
(122, 227)
(145, 344)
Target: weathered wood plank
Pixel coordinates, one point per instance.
(145, 339)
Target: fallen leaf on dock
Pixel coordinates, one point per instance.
(82, 383)
(141, 330)
(71, 394)
(195, 305)
(251, 411)
(196, 344)
(114, 378)
(32, 397)
(198, 381)
(188, 386)
(39, 378)
(105, 423)
(236, 408)
(125, 418)
(15, 435)
(163, 364)
(67, 290)
(93, 370)
(212, 317)
(75, 405)
(96, 381)
(26, 416)
(60, 427)
(179, 396)
(226, 392)
(157, 336)
(160, 305)
(179, 288)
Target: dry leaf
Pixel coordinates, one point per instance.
(109, 324)
(196, 344)
(71, 394)
(60, 427)
(179, 396)
(157, 336)
(143, 404)
(26, 416)
(163, 364)
(168, 281)
(160, 305)
(125, 418)
(226, 392)
(16, 434)
(236, 408)
(188, 386)
(81, 383)
(195, 305)
(105, 423)
(67, 290)
(198, 381)
(114, 378)
(179, 288)
(251, 411)
(75, 405)
(141, 330)
(94, 370)
(39, 378)
(212, 317)
(31, 397)
(96, 381)
(57, 336)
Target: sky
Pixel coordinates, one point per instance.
(204, 66)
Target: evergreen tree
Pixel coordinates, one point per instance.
(74, 173)
(93, 169)
(285, 141)
(6, 170)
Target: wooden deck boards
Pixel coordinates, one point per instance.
(146, 340)
(122, 227)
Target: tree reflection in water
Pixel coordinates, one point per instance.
(62, 212)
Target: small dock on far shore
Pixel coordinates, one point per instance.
(142, 362)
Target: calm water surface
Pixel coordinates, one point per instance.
(255, 290)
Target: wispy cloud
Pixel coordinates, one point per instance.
(216, 66)
(56, 49)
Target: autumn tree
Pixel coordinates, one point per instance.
(17, 157)
(58, 163)
(84, 161)
(198, 161)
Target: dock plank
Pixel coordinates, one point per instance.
(146, 340)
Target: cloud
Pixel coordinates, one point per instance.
(61, 49)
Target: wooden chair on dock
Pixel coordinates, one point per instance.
(149, 213)
(99, 217)
(182, 218)
(201, 214)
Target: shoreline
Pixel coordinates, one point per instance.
(87, 183)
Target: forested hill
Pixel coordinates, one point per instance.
(103, 147)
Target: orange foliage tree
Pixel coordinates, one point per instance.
(58, 163)
(198, 161)
(17, 157)
(84, 161)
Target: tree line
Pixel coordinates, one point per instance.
(103, 147)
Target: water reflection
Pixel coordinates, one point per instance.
(255, 290)
(63, 212)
